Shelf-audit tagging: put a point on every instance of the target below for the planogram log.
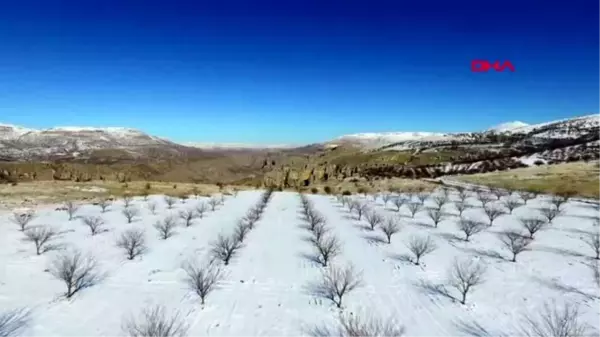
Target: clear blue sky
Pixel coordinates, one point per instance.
(294, 71)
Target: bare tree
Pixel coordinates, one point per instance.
(440, 200)
(154, 322)
(94, 223)
(327, 247)
(386, 197)
(420, 246)
(398, 202)
(356, 325)
(319, 232)
(470, 227)
(550, 213)
(213, 202)
(461, 206)
(104, 204)
(414, 208)
(493, 212)
(435, 215)
(498, 192)
(202, 278)
(360, 209)
(558, 201)
(466, 274)
(484, 198)
(527, 195)
(152, 207)
(13, 322)
(314, 219)
(133, 241)
(373, 219)
(390, 227)
(422, 197)
(22, 219)
(77, 271)
(593, 240)
(201, 208)
(41, 236)
(241, 230)
(511, 204)
(188, 216)
(130, 213)
(127, 200)
(532, 225)
(71, 209)
(463, 194)
(337, 282)
(166, 227)
(515, 243)
(170, 201)
(225, 248)
(556, 321)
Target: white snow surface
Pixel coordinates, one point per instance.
(265, 289)
(508, 126)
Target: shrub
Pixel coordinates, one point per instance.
(314, 190)
(75, 270)
(154, 322)
(327, 189)
(346, 192)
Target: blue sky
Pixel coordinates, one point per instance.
(294, 71)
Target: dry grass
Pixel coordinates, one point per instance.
(580, 178)
(40, 192)
(382, 185)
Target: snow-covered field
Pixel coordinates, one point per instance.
(268, 287)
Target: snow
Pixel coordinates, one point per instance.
(264, 291)
(508, 126)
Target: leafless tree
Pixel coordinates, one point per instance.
(527, 195)
(71, 209)
(75, 270)
(374, 219)
(420, 246)
(558, 201)
(360, 209)
(327, 248)
(555, 321)
(414, 208)
(13, 322)
(593, 240)
(532, 225)
(41, 237)
(463, 194)
(213, 202)
(398, 202)
(386, 197)
(461, 206)
(22, 219)
(152, 207)
(351, 205)
(422, 197)
(337, 282)
(225, 248)
(170, 201)
(133, 241)
(390, 227)
(466, 274)
(493, 212)
(440, 200)
(550, 213)
(498, 192)
(435, 215)
(515, 242)
(127, 200)
(511, 204)
(484, 198)
(94, 223)
(241, 230)
(201, 208)
(222, 199)
(187, 215)
(357, 325)
(104, 204)
(314, 219)
(130, 213)
(154, 322)
(319, 232)
(202, 278)
(470, 227)
(166, 227)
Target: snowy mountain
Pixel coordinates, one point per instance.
(504, 127)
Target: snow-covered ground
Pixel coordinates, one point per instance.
(265, 288)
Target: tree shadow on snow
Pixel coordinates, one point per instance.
(362, 227)
(560, 251)
(558, 285)
(434, 289)
(374, 239)
(313, 258)
(450, 237)
(582, 216)
(405, 258)
(576, 231)
(474, 329)
(348, 216)
(483, 252)
(422, 224)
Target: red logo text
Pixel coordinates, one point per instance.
(483, 66)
